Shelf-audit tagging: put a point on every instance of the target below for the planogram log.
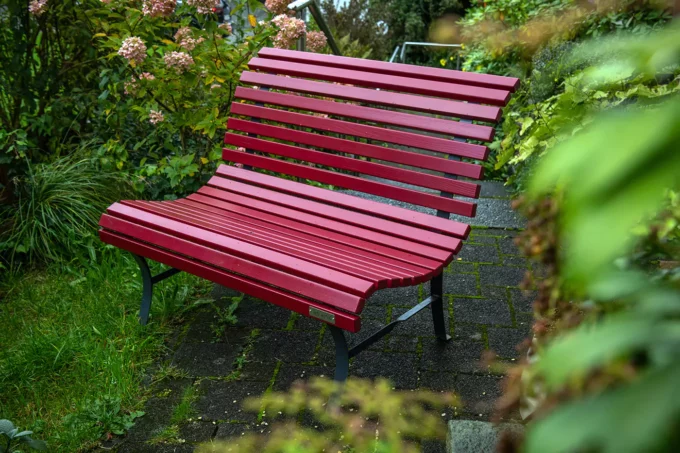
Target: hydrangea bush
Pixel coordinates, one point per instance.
(156, 95)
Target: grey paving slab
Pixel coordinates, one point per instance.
(471, 436)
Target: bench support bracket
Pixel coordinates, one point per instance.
(147, 286)
(343, 353)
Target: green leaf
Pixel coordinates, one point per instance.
(36, 444)
(573, 355)
(6, 426)
(630, 419)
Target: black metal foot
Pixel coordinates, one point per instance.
(341, 354)
(147, 289)
(437, 305)
(147, 286)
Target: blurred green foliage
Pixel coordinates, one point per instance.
(359, 416)
(610, 384)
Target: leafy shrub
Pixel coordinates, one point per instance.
(358, 416)
(58, 208)
(607, 328)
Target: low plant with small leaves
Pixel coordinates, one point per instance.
(11, 439)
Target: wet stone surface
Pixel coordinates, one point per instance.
(220, 365)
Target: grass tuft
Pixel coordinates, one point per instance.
(70, 336)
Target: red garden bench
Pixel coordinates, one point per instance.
(317, 251)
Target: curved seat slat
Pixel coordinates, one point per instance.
(343, 320)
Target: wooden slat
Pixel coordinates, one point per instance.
(295, 284)
(464, 188)
(293, 231)
(397, 156)
(250, 254)
(407, 120)
(276, 242)
(321, 227)
(343, 320)
(350, 182)
(386, 82)
(435, 106)
(333, 218)
(384, 210)
(399, 69)
(413, 140)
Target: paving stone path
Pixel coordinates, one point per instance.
(212, 367)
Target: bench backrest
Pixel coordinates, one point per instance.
(349, 114)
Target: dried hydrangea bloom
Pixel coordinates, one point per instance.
(316, 41)
(227, 27)
(179, 61)
(133, 49)
(183, 38)
(202, 6)
(37, 7)
(159, 8)
(131, 87)
(215, 86)
(277, 6)
(156, 117)
(290, 29)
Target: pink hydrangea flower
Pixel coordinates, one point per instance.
(156, 117)
(316, 41)
(37, 7)
(241, 149)
(183, 38)
(147, 76)
(158, 8)
(133, 49)
(277, 6)
(290, 29)
(202, 6)
(180, 61)
(227, 27)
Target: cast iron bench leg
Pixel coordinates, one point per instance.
(147, 286)
(341, 354)
(438, 311)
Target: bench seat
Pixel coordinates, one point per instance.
(306, 242)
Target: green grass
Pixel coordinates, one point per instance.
(70, 336)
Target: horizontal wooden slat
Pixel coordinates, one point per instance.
(435, 106)
(394, 213)
(439, 183)
(348, 250)
(279, 243)
(397, 156)
(407, 120)
(386, 82)
(381, 67)
(353, 183)
(414, 140)
(322, 227)
(404, 237)
(343, 320)
(250, 254)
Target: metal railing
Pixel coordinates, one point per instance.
(301, 7)
(402, 54)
